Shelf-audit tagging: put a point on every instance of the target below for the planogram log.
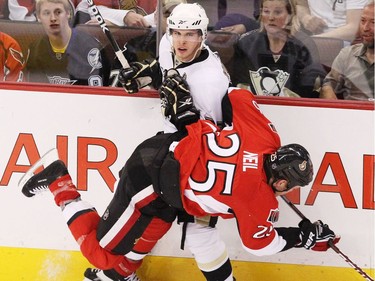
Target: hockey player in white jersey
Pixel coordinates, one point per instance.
(186, 63)
(183, 52)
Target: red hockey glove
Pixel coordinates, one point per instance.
(325, 234)
(315, 236)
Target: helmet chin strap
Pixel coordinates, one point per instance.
(273, 188)
(273, 180)
(270, 177)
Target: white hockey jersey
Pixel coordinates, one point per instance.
(206, 76)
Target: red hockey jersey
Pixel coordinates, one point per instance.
(11, 59)
(222, 173)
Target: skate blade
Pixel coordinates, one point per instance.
(48, 158)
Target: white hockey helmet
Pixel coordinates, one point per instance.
(188, 16)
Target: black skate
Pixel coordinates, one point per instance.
(33, 184)
(94, 274)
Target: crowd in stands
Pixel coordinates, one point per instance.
(274, 50)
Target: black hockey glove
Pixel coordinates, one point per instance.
(315, 236)
(139, 75)
(176, 101)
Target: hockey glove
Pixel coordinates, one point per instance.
(176, 101)
(139, 75)
(315, 236)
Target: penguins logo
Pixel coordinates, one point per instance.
(267, 82)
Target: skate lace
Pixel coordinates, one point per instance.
(132, 277)
(39, 189)
(95, 271)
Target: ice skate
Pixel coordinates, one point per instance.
(32, 184)
(94, 274)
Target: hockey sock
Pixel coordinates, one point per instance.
(223, 273)
(81, 221)
(103, 259)
(126, 267)
(154, 231)
(63, 190)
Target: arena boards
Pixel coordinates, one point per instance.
(106, 123)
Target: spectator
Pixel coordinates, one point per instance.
(11, 59)
(113, 12)
(168, 6)
(271, 61)
(226, 33)
(120, 13)
(133, 6)
(4, 11)
(147, 5)
(332, 19)
(236, 23)
(352, 73)
(65, 55)
(239, 24)
(221, 8)
(24, 10)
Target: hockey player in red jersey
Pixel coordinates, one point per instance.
(234, 172)
(11, 59)
(229, 176)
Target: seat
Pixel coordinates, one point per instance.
(328, 49)
(23, 32)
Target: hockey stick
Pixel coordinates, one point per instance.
(330, 243)
(93, 9)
